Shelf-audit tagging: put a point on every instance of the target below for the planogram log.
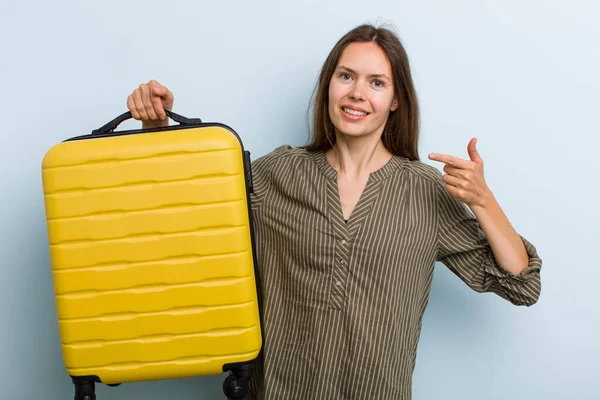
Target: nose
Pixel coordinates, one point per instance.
(357, 92)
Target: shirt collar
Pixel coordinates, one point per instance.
(395, 163)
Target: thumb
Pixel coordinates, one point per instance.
(165, 95)
(473, 153)
(160, 90)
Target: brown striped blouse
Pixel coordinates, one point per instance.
(343, 301)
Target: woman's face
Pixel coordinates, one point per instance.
(361, 91)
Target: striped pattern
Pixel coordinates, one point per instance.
(152, 263)
(343, 301)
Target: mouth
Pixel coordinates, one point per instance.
(354, 114)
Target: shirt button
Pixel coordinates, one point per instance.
(343, 241)
(338, 283)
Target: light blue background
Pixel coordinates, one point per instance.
(522, 76)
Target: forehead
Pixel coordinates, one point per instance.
(365, 58)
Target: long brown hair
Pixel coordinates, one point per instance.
(401, 133)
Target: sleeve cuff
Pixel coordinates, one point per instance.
(494, 267)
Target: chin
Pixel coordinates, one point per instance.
(351, 131)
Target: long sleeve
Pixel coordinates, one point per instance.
(464, 249)
(262, 172)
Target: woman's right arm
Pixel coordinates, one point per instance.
(148, 103)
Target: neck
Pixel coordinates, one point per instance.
(355, 157)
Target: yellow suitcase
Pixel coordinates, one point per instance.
(152, 254)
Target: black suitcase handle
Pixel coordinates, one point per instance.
(112, 125)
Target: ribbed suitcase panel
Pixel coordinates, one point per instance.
(159, 168)
(214, 343)
(178, 368)
(150, 247)
(151, 253)
(130, 147)
(169, 272)
(145, 197)
(155, 298)
(135, 223)
(182, 320)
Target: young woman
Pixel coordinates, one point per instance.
(348, 229)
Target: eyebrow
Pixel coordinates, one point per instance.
(343, 67)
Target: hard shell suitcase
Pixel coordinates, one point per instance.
(152, 254)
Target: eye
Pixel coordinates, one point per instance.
(378, 84)
(345, 76)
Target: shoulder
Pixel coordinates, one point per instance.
(432, 181)
(420, 171)
(282, 154)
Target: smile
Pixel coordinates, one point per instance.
(354, 112)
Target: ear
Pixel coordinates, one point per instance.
(394, 105)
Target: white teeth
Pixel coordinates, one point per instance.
(354, 112)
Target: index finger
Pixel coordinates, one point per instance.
(450, 160)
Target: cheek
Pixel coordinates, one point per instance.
(336, 92)
(332, 101)
(382, 103)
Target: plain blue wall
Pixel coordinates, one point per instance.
(520, 76)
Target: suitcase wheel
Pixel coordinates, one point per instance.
(237, 383)
(85, 389)
(234, 389)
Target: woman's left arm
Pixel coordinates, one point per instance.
(465, 181)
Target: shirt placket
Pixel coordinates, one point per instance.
(345, 234)
(338, 297)
(342, 248)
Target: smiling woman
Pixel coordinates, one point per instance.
(349, 227)
(376, 58)
(351, 89)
